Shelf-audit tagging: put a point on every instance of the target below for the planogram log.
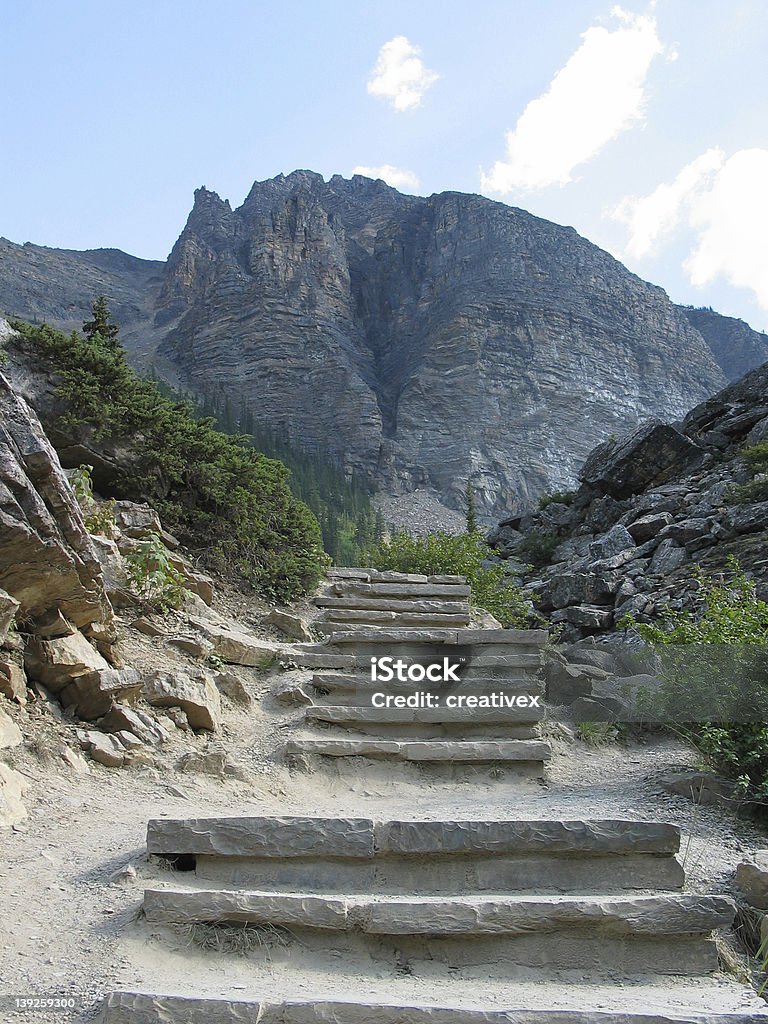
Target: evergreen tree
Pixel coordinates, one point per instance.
(101, 326)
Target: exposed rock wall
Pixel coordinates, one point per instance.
(650, 506)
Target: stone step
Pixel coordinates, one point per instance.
(420, 590)
(335, 618)
(668, 934)
(155, 1008)
(388, 576)
(344, 686)
(386, 604)
(525, 638)
(325, 657)
(527, 756)
(340, 714)
(359, 855)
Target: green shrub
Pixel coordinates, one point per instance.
(436, 554)
(98, 518)
(557, 497)
(214, 491)
(153, 576)
(756, 456)
(537, 548)
(729, 613)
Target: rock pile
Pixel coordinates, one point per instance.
(649, 506)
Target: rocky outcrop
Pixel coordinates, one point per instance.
(450, 337)
(649, 507)
(47, 561)
(736, 347)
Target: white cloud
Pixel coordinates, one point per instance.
(732, 225)
(722, 203)
(599, 93)
(397, 177)
(654, 217)
(400, 75)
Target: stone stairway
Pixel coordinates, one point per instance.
(359, 598)
(495, 920)
(444, 901)
(488, 717)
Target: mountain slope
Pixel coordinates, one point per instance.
(419, 342)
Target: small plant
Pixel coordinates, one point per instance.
(557, 497)
(215, 661)
(471, 512)
(98, 518)
(538, 548)
(756, 457)
(154, 577)
(597, 734)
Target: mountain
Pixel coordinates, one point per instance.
(418, 342)
(735, 346)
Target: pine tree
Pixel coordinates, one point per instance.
(101, 326)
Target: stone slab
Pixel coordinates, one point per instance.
(420, 590)
(262, 837)
(154, 1008)
(385, 604)
(578, 836)
(661, 915)
(397, 619)
(340, 714)
(452, 751)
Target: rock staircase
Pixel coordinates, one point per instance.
(445, 921)
(360, 598)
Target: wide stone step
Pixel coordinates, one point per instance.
(389, 576)
(349, 714)
(361, 855)
(334, 618)
(669, 934)
(356, 689)
(154, 1008)
(525, 638)
(384, 604)
(413, 589)
(525, 755)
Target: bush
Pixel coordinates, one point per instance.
(756, 456)
(154, 577)
(729, 613)
(219, 495)
(557, 497)
(440, 553)
(537, 548)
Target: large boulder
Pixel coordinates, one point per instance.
(47, 560)
(196, 695)
(649, 455)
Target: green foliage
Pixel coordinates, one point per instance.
(101, 329)
(471, 513)
(730, 614)
(153, 576)
(537, 548)
(215, 492)
(98, 518)
(557, 497)
(756, 456)
(444, 554)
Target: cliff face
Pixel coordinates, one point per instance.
(735, 346)
(424, 341)
(421, 342)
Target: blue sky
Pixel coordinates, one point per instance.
(645, 126)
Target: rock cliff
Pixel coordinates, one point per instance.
(650, 506)
(417, 341)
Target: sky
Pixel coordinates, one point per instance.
(642, 125)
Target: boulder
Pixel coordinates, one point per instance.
(649, 455)
(684, 531)
(587, 617)
(667, 557)
(12, 789)
(229, 684)
(52, 626)
(13, 681)
(106, 750)
(569, 588)
(57, 662)
(291, 625)
(647, 527)
(195, 647)
(752, 879)
(47, 559)
(121, 719)
(292, 694)
(134, 520)
(196, 695)
(10, 733)
(93, 693)
(617, 540)
(236, 646)
(749, 518)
